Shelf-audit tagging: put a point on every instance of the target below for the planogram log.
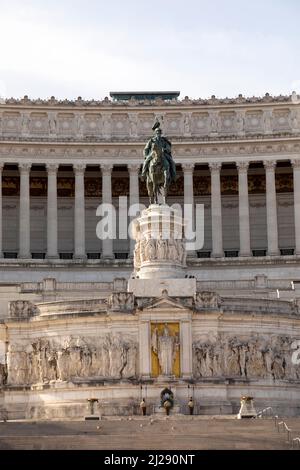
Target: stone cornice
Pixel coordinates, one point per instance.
(131, 152)
(106, 102)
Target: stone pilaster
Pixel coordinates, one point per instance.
(296, 173)
(52, 251)
(79, 226)
(216, 210)
(244, 223)
(24, 214)
(133, 194)
(107, 244)
(272, 227)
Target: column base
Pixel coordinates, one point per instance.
(191, 254)
(217, 255)
(80, 257)
(25, 256)
(52, 256)
(108, 257)
(245, 254)
(273, 253)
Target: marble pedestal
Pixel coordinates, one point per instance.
(160, 247)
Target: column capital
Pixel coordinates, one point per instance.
(52, 167)
(295, 163)
(106, 168)
(79, 168)
(187, 167)
(24, 167)
(270, 164)
(242, 166)
(215, 166)
(133, 167)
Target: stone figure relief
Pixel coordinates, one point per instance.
(207, 300)
(214, 123)
(21, 309)
(80, 124)
(252, 357)
(52, 125)
(240, 122)
(25, 123)
(166, 347)
(133, 122)
(159, 249)
(44, 360)
(187, 124)
(121, 301)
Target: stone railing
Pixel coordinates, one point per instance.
(259, 283)
(268, 306)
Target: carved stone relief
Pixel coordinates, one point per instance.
(22, 309)
(252, 357)
(65, 359)
(160, 249)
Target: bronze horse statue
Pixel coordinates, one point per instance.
(158, 176)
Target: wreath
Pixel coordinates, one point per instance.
(167, 398)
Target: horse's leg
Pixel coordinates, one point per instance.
(150, 189)
(165, 189)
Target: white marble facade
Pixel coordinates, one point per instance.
(72, 329)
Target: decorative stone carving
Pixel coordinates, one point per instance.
(268, 122)
(207, 300)
(252, 357)
(22, 309)
(25, 124)
(240, 122)
(160, 249)
(133, 124)
(214, 123)
(121, 302)
(187, 124)
(72, 358)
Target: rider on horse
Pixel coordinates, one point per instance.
(159, 141)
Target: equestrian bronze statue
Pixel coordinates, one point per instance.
(159, 169)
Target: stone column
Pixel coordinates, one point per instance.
(272, 228)
(296, 173)
(107, 244)
(188, 169)
(216, 210)
(1, 228)
(186, 349)
(24, 214)
(244, 224)
(145, 349)
(52, 211)
(133, 194)
(79, 226)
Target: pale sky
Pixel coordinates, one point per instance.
(71, 48)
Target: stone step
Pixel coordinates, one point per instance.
(146, 433)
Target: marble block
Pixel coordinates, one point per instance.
(155, 287)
